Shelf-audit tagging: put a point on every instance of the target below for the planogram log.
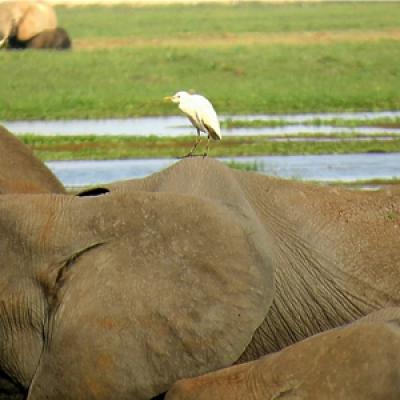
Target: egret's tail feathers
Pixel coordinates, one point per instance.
(213, 133)
(215, 136)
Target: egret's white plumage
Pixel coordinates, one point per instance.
(201, 113)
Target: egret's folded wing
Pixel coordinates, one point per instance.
(208, 116)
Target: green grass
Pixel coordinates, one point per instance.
(338, 122)
(111, 147)
(173, 20)
(352, 123)
(246, 78)
(250, 79)
(362, 183)
(253, 166)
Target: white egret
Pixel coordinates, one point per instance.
(201, 114)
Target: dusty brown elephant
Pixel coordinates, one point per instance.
(31, 24)
(118, 295)
(360, 361)
(21, 171)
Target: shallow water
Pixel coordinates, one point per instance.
(180, 126)
(346, 167)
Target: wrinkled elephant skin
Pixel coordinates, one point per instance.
(139, 292)
(358, 362)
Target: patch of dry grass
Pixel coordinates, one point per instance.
(242, 39)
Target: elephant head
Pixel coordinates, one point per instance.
(31, 24)
(124, 293)
(21, 171)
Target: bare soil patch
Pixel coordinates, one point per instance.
(245, 39)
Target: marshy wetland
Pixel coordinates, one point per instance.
(286, 79)
(370, 170)
(338, 147)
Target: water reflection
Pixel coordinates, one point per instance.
(346, 167)
(180, 126)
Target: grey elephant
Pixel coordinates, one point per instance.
(21, 171)
(31, 24)
(360, 361)
(125, 289)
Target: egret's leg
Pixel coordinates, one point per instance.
(208, 146)
(198, 139)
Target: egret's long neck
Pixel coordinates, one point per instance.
(184, 106)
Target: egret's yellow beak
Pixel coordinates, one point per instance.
(168, 98)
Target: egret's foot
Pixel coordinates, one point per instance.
(189, 155)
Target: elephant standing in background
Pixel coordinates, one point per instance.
(31, 24)
(125, 289)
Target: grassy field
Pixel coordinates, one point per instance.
(126, 59)
(111, 147)
(252, 79)
(205, 19)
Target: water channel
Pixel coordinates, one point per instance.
(180, 126)
(348, 167)
(323, 168)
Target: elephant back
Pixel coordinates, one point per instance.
(38, 17)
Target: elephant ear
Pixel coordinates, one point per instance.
(153, 287)
(21, 171)
(38, 18)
